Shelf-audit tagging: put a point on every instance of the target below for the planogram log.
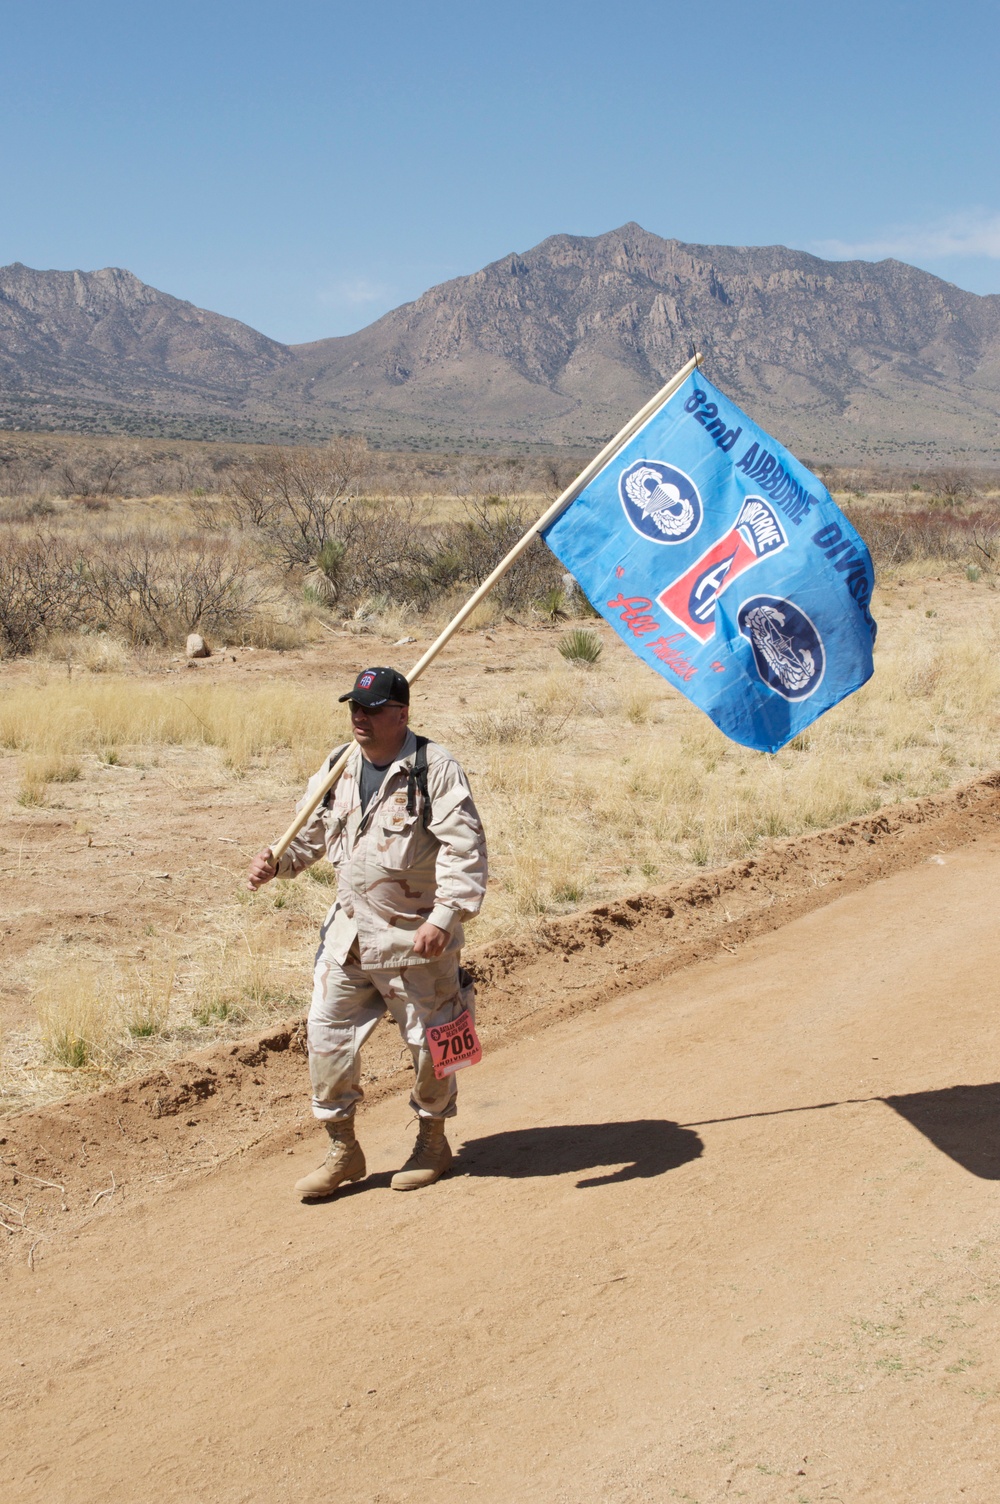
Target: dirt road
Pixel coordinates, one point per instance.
(732, 1236)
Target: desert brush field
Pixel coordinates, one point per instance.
(129, 773)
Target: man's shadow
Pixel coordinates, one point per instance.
(646, 1147)
(962, 1121)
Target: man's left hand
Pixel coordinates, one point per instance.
(430, 941)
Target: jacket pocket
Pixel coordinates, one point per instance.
(396, 838)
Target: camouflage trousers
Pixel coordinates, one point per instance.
(347, 1003)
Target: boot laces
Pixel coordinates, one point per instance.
(429, 1144)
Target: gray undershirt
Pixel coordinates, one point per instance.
(371, 780)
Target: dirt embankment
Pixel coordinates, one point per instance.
(64, 1163)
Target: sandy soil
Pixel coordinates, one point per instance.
(729, 1234)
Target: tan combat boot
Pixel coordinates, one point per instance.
(430, 1158)
(345, 1161)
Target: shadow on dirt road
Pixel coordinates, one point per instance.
(962, 1121)
(642, 1148)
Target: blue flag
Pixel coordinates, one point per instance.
(726, 566)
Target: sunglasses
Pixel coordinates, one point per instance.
(354, 706)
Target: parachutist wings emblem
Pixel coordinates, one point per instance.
(660, 500)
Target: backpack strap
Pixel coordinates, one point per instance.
(335, 755)
(417, 779)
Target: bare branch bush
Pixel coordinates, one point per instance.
(556, 473)
(496, 479)
(34, 465)
(293, 498)
(383, 541)
(20, 477)
(475, 546)
(895, 536)
(150, 588)
(190, 472)
(954, 485)
(25, 508)
(26, 469)
(309, 510)
(96, 470)
(42, 588)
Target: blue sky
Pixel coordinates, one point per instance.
(306, 166)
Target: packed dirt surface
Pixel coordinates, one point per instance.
(60, 1161)
(729, 1233)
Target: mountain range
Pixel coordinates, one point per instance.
(841, 360)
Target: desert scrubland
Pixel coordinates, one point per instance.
(135, 784)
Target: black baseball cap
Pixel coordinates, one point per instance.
(377, 686)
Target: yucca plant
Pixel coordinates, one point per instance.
(580, 647)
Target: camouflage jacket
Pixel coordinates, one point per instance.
(393, 874)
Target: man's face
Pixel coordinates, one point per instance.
(380, 732)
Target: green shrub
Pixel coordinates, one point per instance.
(580, 647)
(553, 604)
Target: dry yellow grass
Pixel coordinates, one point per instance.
(75, 1022)
(39, 771)
(591, 784)
(100, 1021)
(96, 652)
(57, 717)
(89, 1015)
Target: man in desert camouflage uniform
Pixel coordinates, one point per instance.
(405, 837)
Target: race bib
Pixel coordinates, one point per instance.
(454, 1046)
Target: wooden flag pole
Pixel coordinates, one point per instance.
(559, 505)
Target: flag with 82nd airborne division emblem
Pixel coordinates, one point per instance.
(726, 566)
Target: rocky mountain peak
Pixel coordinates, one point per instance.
(553, 345)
